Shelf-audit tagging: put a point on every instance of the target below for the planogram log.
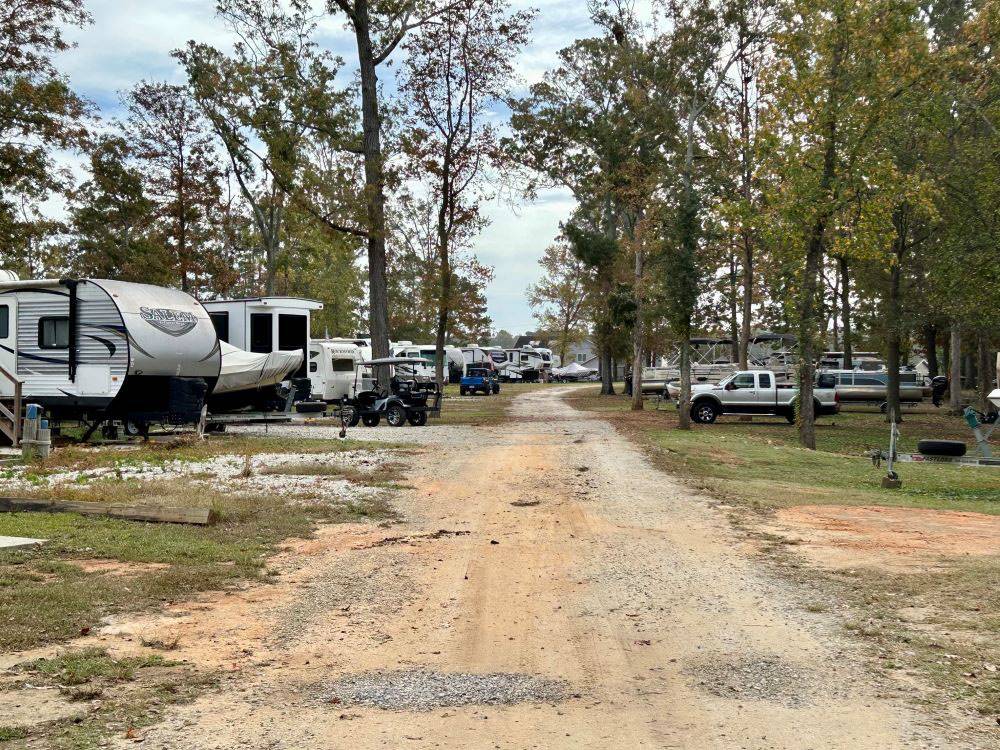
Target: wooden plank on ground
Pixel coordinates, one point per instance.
(155, 513)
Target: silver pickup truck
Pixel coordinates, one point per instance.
(755, 392)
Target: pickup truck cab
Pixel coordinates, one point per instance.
(480, 379)
(756, 392)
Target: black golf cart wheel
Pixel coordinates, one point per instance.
(462, 391)
(395, 415)
(371, 420)
(417, 418)
(704, 412)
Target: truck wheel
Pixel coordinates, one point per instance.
(704, 412)
(395, 415)
(790, 416)
(371, 420)
(462, 391)
(417, 418)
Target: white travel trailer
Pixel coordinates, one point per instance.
(265, 324)
(424, 358)
(95, 350)
(333, 365)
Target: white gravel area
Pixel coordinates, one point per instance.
(428, 435)
(227, 473)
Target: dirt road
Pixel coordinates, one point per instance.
(550, 554)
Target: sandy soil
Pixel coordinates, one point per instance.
(899, 539)
(548, 548)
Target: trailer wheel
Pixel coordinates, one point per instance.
(371, 420)
(942, 447)
(136, 429)
(417, 418)
(395, 415)
(704, 412)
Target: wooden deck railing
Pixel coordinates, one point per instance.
(10, 420)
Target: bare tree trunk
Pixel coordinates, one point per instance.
(444, 300)
(893, 323)
(985, 372)
(378, 295)
(684, 401)
(734, 331)
(845, 312)
(637, 336)
(955, 376)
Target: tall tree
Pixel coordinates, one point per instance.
(560, 298)
(378, 27)
(113, 221)
(169, 137)
(39, 114)
(458, 66)
(269, 102)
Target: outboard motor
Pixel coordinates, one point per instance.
(939, 386)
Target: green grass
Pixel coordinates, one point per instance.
(85, 665)
(132, 692)
(480, 410)
(761, 464)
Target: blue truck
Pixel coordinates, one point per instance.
(480, 379)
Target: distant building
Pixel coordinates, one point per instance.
(585, 353)
(532, 339)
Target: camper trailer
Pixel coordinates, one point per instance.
(265, 324)
(424, 358)
(333, 365)
(95, 350)
(525, 364)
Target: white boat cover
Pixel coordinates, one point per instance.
(243, 370)
(572, 370)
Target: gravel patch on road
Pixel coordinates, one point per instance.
(762, 678)
(453, 435)
(424, 690)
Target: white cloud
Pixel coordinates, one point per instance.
(131, 40)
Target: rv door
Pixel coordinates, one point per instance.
(8, 344)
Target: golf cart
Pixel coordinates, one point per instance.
(404, 401)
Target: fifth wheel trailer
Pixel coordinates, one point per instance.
(265, 324)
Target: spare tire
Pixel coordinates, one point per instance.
(942, 447)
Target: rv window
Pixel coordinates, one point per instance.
(342, 364)
(312, 367)
(4, 321)
(221, 322)
(261, 335)
(53, 332)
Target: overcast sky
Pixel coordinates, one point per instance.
(131, 40)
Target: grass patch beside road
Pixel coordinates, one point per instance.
(937, 621)
(760, 463)
(46, 597)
